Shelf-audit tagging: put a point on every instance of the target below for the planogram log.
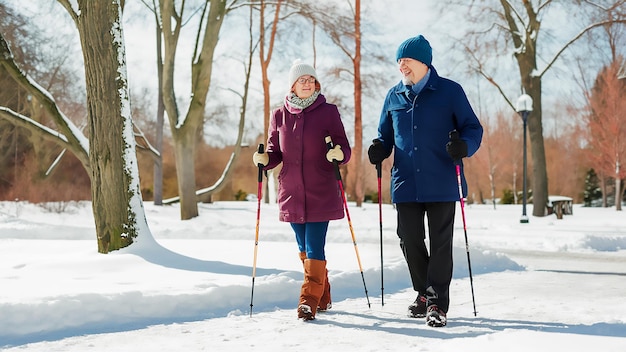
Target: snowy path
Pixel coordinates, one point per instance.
(544, 286)
(514, 314)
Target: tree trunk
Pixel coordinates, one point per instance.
(265, 62)
(618, 194)
(113, 181)
(158, 166)
(603, 187)
(531, 84)
(357, 154)
(184, 150)
(185, 130)
(538, 154)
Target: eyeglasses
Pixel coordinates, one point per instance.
(303, 80)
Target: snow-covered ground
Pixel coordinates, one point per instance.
(546, 285)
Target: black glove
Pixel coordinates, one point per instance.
(456, 148)
(377, 152)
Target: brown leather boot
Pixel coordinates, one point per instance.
(325, 301)
(312, 288)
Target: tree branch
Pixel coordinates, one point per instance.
(70, 10)
(74, 138)
(490, 79)
(145, 145)
(580, 34)
(33, 126)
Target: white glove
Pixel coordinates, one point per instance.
(260, 158)
(335, 154)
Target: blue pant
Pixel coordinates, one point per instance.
(311, 238)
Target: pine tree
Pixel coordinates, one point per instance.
(592, 188)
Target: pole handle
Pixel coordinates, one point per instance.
(261, 150)
(454, 136)
(379, 166)
(329, 146)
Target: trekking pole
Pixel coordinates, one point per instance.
(329, 145)
(454, 135)
(379, 167)
(259, 193)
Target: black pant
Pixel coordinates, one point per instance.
(430, 274)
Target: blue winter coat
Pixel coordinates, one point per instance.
(417, 129)
(308, 190)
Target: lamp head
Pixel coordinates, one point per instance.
(524, 103)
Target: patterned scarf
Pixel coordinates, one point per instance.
(296, 103)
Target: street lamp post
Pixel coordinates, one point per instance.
(524, 107)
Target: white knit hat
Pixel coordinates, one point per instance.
(299, 69)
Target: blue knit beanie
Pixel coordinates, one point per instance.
(416, 48)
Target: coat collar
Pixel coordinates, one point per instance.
(400, 88)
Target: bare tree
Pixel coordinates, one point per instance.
(344, 29)
(160, 113)
(109, 154)
(607, 128)
(185, 127)
(116, 196)
(49, 63)
(265, 58)
(515, 26)
(68, 134)
(229, 169)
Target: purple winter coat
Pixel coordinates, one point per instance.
(307, 187)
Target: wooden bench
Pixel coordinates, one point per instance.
(560, 205)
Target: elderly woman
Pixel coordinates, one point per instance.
(308, 193)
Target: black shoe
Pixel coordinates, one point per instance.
(417, 309)
(435, 316)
